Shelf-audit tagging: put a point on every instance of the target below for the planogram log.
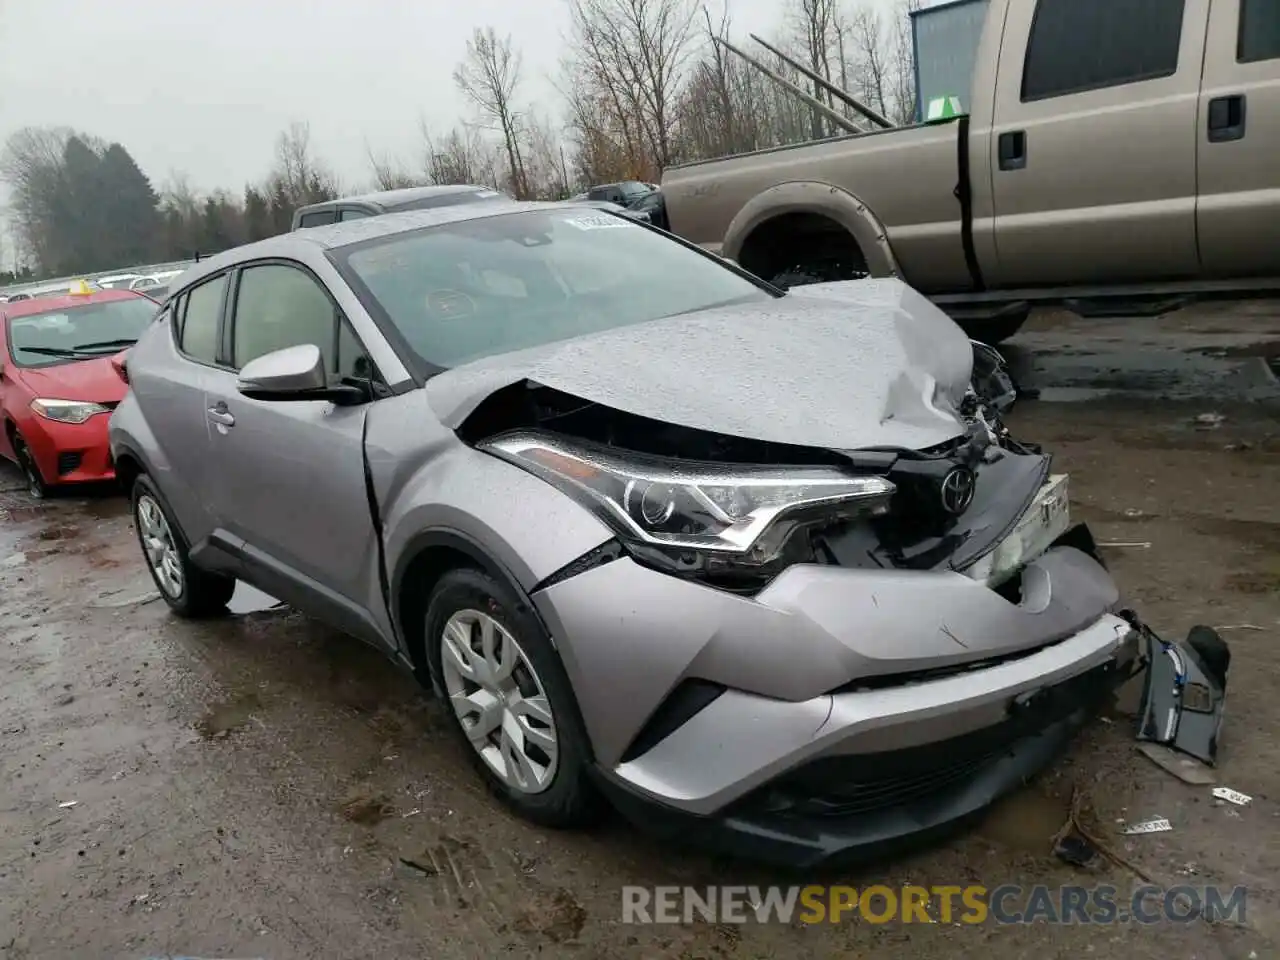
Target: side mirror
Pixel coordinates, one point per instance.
(294, 374)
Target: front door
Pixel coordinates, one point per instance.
(1238, 133)
(1093, 156)
(289, 477)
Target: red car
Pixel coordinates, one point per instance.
(60, 379)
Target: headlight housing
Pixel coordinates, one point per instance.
(696, 516)
(66, 411)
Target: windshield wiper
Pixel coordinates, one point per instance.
(107, 344)
(51, 351)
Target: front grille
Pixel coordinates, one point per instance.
(862, 783)
(111, 404)
(69, 462)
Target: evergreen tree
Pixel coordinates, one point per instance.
(257, 216)
(129, 205)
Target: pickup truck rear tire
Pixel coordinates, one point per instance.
(803, 276)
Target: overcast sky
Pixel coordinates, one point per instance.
(204, 86)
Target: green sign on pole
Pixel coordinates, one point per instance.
(943, 108)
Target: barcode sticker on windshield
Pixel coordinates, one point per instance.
(602, 222)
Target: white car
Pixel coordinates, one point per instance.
(118, 281)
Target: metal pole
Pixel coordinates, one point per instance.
(827, 85)
(838, 119)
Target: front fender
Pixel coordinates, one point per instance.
(520, 523)
(825, 199)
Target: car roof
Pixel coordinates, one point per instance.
(23, 308)
(295, 245)
(395, 198)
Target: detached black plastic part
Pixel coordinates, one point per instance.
(1185, 691)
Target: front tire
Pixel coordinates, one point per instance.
(37, 489)
(189, 591)
(510, 699)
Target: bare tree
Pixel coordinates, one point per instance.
(871, 66)
(388, 174)
(901, 66)
(301, 174)
(177, 194)
(817, 27)
(489, 77)
(628, 64)
(32, 165)
(460, 156)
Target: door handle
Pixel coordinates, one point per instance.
(1226, 118)
(1011, 149)
(220, 415)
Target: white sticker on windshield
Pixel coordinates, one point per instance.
(600, 222)
(486, 194)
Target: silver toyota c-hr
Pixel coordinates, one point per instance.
(759, 565)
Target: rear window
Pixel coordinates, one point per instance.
(66, 335)
(1080, 45)
(1259, 31)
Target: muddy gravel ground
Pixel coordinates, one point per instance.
(261, 786)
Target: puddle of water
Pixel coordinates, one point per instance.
(1072, 394)
(221, 719)
(1027, 820)
(249, 599)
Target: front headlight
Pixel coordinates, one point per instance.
(66, 411)
(741, 513)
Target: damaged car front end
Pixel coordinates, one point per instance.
(830, 602)
(808, 651)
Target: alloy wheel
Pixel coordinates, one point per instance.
(159, 545)
(499, 701)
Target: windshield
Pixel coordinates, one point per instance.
(79, 333)
(476, 288)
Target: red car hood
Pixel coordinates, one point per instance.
(93, 381)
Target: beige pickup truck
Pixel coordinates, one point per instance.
(1118, 155)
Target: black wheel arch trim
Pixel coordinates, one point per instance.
(468, 546)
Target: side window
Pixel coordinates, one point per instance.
(352, 360)
(278, 306)
(1079, 45)
(1259, 31)
(318, 219)
(201, 309)
(352, 213)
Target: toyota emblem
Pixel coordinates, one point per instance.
(957, 490)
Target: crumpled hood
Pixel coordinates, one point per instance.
(864, 363)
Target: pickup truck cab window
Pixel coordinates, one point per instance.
(1259, 37)
(1078, 45)
(353, 213)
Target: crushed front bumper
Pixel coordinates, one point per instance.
(866, 780)
(839, 711)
